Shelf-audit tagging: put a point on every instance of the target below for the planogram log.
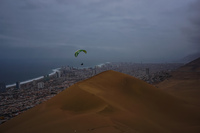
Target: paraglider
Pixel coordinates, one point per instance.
(78, 51)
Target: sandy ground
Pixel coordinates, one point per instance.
(112, 102)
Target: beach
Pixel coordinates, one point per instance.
(34, 79)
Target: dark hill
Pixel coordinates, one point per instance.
(185, 82)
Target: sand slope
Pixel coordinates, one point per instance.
(110, 102)
(185, 83)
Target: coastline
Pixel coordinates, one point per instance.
(34, 79)
(52, 73)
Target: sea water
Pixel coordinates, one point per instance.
(25, 70)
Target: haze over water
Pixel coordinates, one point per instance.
(25, 69)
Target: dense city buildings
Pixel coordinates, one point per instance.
(19, 98)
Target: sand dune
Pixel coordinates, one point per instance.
(110, 102)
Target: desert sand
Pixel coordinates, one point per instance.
(113, 102)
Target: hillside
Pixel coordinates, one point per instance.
(190, 57)
(110, 102)
(185, 82)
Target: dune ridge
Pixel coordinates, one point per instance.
(109, 102)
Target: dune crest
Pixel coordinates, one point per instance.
(110, 102)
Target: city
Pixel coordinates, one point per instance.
(17, 99)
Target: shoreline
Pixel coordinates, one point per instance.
(52, 73)
(34, 79)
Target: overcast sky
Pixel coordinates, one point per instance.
(113, 30)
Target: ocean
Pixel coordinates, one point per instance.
(13, 70)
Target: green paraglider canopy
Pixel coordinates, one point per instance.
(78, 51)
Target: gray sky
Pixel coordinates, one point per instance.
(112, 30)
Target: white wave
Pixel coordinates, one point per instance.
(100, 65)
(34, 79)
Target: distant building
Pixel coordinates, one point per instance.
(40, 85)
(2, 87)
(18, 86)
(58, 74)
(46, 77)
(94, 72)
(34, 82)
(147, 71)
